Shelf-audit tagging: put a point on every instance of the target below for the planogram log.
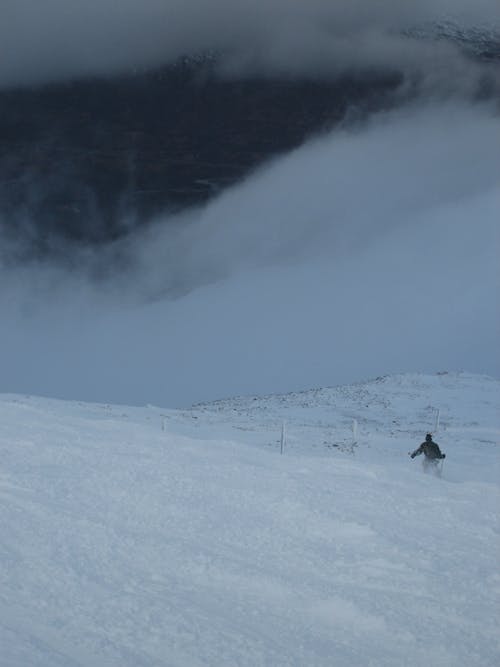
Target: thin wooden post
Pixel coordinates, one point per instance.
(436, 425)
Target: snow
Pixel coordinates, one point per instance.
(153, 537)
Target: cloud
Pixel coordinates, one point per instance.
(369, 251)
(60, 39)
(333, 195)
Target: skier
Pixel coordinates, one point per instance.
(431, 450)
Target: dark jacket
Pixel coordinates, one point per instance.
(430, 449)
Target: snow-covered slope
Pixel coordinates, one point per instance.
(151, 537)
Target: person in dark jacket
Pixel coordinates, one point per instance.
(431, 451)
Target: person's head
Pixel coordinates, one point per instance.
(428, 437)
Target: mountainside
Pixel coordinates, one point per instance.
(147, 537)
(89, 159)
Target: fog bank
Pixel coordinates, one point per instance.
(60, 39)
(369, 251)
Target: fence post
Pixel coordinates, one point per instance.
(283, 438)
(436, 425)
(354, 431)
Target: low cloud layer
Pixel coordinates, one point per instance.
(366, 252)
(59, 39)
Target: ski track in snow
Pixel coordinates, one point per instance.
(152, 537)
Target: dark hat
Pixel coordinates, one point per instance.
(428, 437)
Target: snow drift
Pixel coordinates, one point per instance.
(146, 537)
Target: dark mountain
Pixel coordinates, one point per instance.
(86, 160)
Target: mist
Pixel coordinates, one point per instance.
(64, 39)
(367, 251)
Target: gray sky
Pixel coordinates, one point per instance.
(55, 39)
(359, 254)
(370, 250)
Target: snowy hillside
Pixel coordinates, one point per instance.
(150, 537)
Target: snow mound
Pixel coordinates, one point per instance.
(151, 537)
